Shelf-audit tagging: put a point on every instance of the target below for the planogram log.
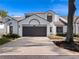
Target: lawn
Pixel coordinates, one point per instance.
(7, 38)
(60, 38)
(60, 42)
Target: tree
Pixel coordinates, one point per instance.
(3, 13)
(71, 12)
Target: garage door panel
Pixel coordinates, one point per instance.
(34, 31)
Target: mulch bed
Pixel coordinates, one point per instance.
(69, 46)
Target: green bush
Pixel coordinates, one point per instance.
(6, 36)
(11, 36)
(14, 36)
(4, 40)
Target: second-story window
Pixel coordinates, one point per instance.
(49, 17)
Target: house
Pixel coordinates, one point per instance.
(75, 24)
(36, 24)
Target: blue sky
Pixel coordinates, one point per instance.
(19, 7)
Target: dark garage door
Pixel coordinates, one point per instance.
(34, 31)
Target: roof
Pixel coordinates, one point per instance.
(75, 18)
(18, 18)
(35, 15)
(59, 23)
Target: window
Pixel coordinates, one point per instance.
(59, 30)
(50, 29)
(49, 17)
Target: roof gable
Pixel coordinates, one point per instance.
(8, 18)
(32, 19)
(36, 16)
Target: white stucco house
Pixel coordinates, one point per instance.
(36, 24)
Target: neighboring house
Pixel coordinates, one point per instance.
(36, 24)
(75, 24)
(1, 26)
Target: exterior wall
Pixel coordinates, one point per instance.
(1, 29)
(48, 30)
(55, 19)
(12, 23)
(43, 15)
(31, 22)
(6, 28)
(77, 29)
(64, 29)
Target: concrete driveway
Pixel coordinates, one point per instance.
(29, 46)
(33, 46)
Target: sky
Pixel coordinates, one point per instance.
(19, 7)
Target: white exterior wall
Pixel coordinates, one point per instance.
(48, 30)
(14, 24)
(43, 15)
(6, 28)
(56, 18)
(1, 29)
(77, 29)
(26, 23)
(64, 29)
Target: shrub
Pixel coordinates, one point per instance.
(14, 36)
(63, 35)
(4, 40)
(76, 35)
(11, 36)
(6, 36)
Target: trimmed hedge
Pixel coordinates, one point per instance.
(63, 35)
(11, 36)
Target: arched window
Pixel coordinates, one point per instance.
(49, 17)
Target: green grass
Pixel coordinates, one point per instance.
(7, 38)
(4, 40)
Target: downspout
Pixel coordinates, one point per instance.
(75, 27)
(17, 28)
